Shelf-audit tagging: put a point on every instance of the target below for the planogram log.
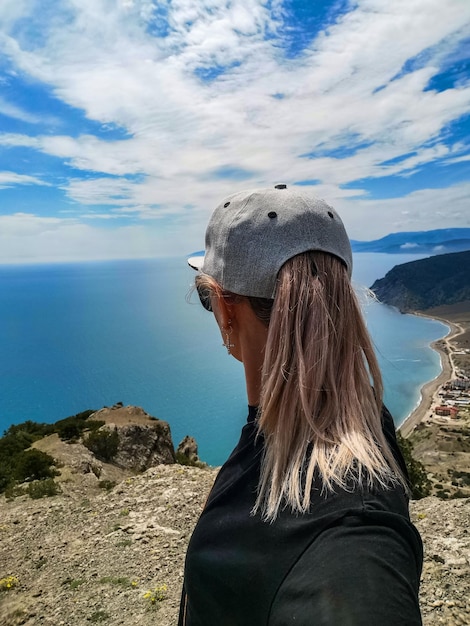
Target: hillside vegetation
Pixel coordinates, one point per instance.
(19, 462)
(109, 444)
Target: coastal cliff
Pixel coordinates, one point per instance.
(419, 285)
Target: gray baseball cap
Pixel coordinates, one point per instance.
(251, 234)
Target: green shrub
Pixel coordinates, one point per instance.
(43, 489)
(115, 580)
(69, 431)
(464, 477)
(75, 583)
(107, 484)
(93, 425)
(98, 616)
(458, 493)
(73, 426)
(33, 429)
(34, 465)
(14, 491)
(79, 420)
(15, 466)
(103, 444)
(5, 475)
(13, 444)
(420, 485)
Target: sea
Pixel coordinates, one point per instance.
(82, 336)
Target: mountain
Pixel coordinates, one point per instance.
(428, 242)
(426, 283)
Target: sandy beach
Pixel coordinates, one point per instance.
(457, 318)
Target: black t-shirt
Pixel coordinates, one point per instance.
(355, 559)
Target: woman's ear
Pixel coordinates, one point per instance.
(223, 309)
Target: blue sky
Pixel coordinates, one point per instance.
(124, 122)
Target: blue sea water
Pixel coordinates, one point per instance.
(78, 336)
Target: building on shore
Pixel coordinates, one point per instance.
(448, 411)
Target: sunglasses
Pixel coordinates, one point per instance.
(205, 297)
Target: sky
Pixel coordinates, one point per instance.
(123, 123)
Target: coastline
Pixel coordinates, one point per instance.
(429, 390)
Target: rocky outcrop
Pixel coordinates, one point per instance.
(142, 446)
(187, 453)
(143, 441)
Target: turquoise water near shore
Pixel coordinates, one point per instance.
(79, 336)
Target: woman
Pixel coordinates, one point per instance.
(307, 522)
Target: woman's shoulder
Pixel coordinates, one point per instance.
(364, 569)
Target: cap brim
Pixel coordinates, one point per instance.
(196, 260)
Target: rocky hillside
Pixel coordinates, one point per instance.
(431, 282)
(109, 547)
(116, 557)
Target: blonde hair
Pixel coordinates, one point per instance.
(321, 393)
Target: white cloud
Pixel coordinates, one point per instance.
(174, 231)
(99, 216)
(346, 90)
(29, 238)
(460, 159)
(13, 10)
(11, 110)
(9, 179)
(426, 209)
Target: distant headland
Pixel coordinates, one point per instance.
(419, 285)
(439, 241)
